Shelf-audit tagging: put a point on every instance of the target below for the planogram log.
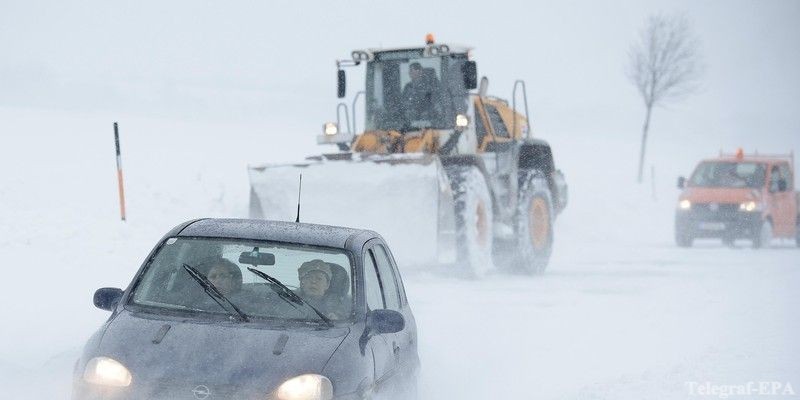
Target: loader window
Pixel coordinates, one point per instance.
(407, 92)
(497, 122)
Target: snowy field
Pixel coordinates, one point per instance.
(620, 314)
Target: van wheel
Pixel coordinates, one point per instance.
(683, 239)
(763, 238)
(797, 232)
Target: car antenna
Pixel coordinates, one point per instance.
(299, 190)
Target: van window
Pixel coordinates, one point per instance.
(786, 173)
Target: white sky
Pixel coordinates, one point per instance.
(254, 60)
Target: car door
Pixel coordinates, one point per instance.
(379, 345)
(403, 343)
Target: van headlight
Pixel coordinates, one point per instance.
(685, 204)
(107, 372)
(305, 387)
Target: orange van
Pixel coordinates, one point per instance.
(739, 196)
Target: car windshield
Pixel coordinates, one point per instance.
(408, 91)
(321, 277)
(729, 174)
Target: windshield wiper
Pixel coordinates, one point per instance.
(213, 292)
(287, 294)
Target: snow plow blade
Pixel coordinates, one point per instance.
(405, 197)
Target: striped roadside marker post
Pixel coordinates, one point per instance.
(119, 174)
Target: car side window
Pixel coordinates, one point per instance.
(390, 291)
(372, 287)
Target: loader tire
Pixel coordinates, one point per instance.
(533, 223)
(474, 221)
(255, 206)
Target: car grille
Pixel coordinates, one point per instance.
(194, 391)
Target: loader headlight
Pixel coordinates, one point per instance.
(330, 129)
(107, 372)
(305, 387)
(685, 204)
(462, 121)
(750, 206)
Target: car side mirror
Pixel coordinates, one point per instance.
(341, 83)
(681, 182)
(470, 70)
(782, 185)
(107, 298)
(385, 321)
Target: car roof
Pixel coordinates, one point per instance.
(277, 231)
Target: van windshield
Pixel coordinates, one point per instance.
(729, 174)
(320, 276)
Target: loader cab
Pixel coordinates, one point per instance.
(416, 88)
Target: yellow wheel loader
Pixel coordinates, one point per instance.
(448, 174)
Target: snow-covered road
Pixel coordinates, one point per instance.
(608, 323)
(620, 314)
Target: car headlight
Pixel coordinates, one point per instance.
(305, 387)
(685, 204)
(750, 206)
(107, 372)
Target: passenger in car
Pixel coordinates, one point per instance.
(315, 288)
(224, 275)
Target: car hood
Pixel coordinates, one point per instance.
(719, 195)
(218, 355)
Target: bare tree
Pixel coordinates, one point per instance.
(665, 65)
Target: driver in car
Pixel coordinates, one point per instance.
(315, 283)
(224, 275)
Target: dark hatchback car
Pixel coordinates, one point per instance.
(228, 309)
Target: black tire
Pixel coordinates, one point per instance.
(255, 206)
(533, 223)
(763, 237)
(474, 221)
